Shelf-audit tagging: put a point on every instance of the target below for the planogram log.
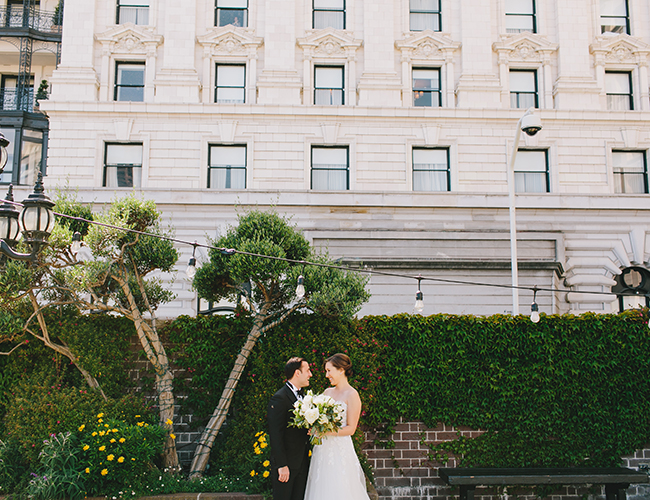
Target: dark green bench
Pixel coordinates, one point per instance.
(616, 479)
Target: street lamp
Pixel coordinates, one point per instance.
(530, 123)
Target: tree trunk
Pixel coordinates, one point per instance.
(166, 404)
(204, 446)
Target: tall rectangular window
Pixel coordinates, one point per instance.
(230, 83)
(129, 81)
(31, 156)
(630, 172)
(133, 11)
(618, 87)
(520, 16)
(424, 15)
(233, 12)
(426, 87)
(330, 169)
(123, 165)
(329, 14)
(6, 177)
(431, 169)
(531, 171)
(523, 89)
(227, 167)
(328, 86)
(614, 16)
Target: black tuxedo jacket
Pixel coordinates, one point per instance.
(289, 445)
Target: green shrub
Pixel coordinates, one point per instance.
(14, 468)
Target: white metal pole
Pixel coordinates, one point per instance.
(513, 222)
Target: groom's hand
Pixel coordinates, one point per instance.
(283, 474)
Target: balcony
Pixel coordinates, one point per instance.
(15, 21)
(9, 100)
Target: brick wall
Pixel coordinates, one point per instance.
(405, 473)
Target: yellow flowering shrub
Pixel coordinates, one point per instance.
(260, 464)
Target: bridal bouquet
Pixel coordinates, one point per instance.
(319, 413)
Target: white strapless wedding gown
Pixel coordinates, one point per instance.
(335, 472)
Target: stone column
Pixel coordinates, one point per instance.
(178, 80)
(643, 84)
(76, 79)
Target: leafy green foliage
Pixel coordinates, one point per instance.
(13, 467)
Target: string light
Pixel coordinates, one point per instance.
(300, 289)
(190, 270)
(76, 242)
(419, 298)
(534, 308)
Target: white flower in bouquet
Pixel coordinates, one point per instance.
(319, 413)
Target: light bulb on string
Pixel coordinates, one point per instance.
(534, 308)
(76, 242)
(419, 298)
(300, 288)
(190, 270)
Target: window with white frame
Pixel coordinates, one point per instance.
(630, 172)
(614, 16)
(233, 12)
(618, 87)
(330, 168)
(123, 165)
(227, 167)
(426, 87)
(424, 15)
(523, 89)
(431, 169)
(329, 14)
(328, 86)
(520, 16)
(129, 81)
(133, 11)
(531, 171)
(230, 84)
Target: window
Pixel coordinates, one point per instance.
(133, 11)
(6, 177)
(328, 86)
(123, 165)
(31, 156)
(9, 100)
(630, 172)
(233, 12)
(531, 171)
(426, 87)
(129, 81)
(523, 89)
(329, 169)
(227, 167)
(618, 87)
(329, 13)
(431, 170)
(614, 17)
(230, 83)
(424, 15)
(520, 16)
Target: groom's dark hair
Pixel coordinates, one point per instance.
(292, 365)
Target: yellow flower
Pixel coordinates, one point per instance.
(101, 433)
(263, 445)
(258, 451)
(310, 453)
(100, 415)
(120, 460)
(262, 439)
(259, 433)
(106, 425)
(266, 474)
(100, 420)
(113, 440)
(252, 473)
(104, 472)
(140, 424)
(266, 463)
(113, 430)
(82, 427)
(169, 422)
(86, 447)
(173, 436)
(110, 458)
(137, 416)
(102, 448)
(122, 440)
(133, 459)
(87, 470)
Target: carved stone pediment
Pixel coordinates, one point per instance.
(524, 47)
(619, 48)
(427, 44)
(229, 40)
(329, 42)
(129, 38)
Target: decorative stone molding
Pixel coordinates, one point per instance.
(234, 45)
(128, 41)
(428, 48)
(526, 50)
(329, 46)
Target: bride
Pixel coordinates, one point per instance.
(335, 472)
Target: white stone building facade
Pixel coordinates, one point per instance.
(383, 127)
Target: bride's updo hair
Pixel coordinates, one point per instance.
(342, 362)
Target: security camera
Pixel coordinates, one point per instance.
(531, 124)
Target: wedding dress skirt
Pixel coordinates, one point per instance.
(335, 472)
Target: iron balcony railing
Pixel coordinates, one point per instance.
(15, 16)
(10, 101)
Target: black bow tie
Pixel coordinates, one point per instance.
(301, 392)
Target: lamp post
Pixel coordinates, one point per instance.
(530, 124)
(36, 219)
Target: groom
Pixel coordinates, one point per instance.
(289, 445)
